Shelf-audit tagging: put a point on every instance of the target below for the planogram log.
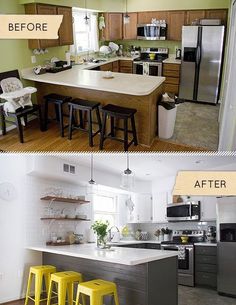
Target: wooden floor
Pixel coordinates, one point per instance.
(37, 141)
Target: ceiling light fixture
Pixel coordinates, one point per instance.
(86, 18)
(127, 177)
(126, 16)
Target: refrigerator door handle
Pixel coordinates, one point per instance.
(198, 57)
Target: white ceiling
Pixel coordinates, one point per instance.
(151, 166)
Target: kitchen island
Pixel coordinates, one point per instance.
(127, 90)
(143, 277)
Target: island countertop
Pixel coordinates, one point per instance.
(123, 256)
(122, 83)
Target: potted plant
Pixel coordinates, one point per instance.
(100, 228)
(166, 232)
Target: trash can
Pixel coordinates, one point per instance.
(166, 119)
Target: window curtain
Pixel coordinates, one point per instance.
(94, 37)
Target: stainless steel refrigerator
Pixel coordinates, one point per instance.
(226, 246)
(202, 55)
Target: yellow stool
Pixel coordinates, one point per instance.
(65, 284)
(40, 273)
(96, 290)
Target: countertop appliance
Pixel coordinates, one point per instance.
(211, 234)
(186, 253)
(150, 61)
(186, 211)
(153, 31)
(202, 57)
(226, 246)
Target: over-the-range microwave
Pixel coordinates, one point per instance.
(187, 211)
(151, 32)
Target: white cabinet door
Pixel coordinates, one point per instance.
(208, 208)
(142, 209)
(160, 201)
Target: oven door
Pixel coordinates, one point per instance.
(185, 257)
(155, 69)
(138, 68)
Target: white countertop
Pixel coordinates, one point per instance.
(131, 84)
(172, 60)
(123, 256)
(206, 244)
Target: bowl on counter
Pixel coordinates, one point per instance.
(184, 239)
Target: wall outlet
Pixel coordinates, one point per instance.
(33, 59)
(1, 275)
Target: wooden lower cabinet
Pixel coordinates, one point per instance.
(172, 74)
(106, 67)
(115, 66)
(126, 66)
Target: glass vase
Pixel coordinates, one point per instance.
(101, 242)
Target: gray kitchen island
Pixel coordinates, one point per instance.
(143, 277)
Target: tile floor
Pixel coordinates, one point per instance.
(201, 296)
(197, 125)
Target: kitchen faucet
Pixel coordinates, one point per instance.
(109, 231)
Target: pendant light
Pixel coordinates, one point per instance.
(91, 181)
(126, 16)
(92, 185)
(127, 177)
(86, 18)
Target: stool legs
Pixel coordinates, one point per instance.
(116, 297)
(61, 122)
(90, 126)
(95, 300)
(46, 115)
(70, 293)
(28, 288)
(49, 293)
(126, 147)
(134, 131)
(99, 119)
(38, 288)
(112, 126)
(70, 123)
(62, 295)
(104, 120)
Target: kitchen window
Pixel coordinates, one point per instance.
(105, 207)
(85, 35)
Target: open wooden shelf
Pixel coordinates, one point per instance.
(64, 199)
(66, 218)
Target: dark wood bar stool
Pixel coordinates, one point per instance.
(17, 116)
(84, 107)
(58, 101)
(117, 112)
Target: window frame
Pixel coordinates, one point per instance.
(114, 214)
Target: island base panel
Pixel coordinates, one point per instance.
(145, 118)
(153, 283)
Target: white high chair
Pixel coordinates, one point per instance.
(17, 104)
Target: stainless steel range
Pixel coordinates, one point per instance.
(186, 253)
(150, 61)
